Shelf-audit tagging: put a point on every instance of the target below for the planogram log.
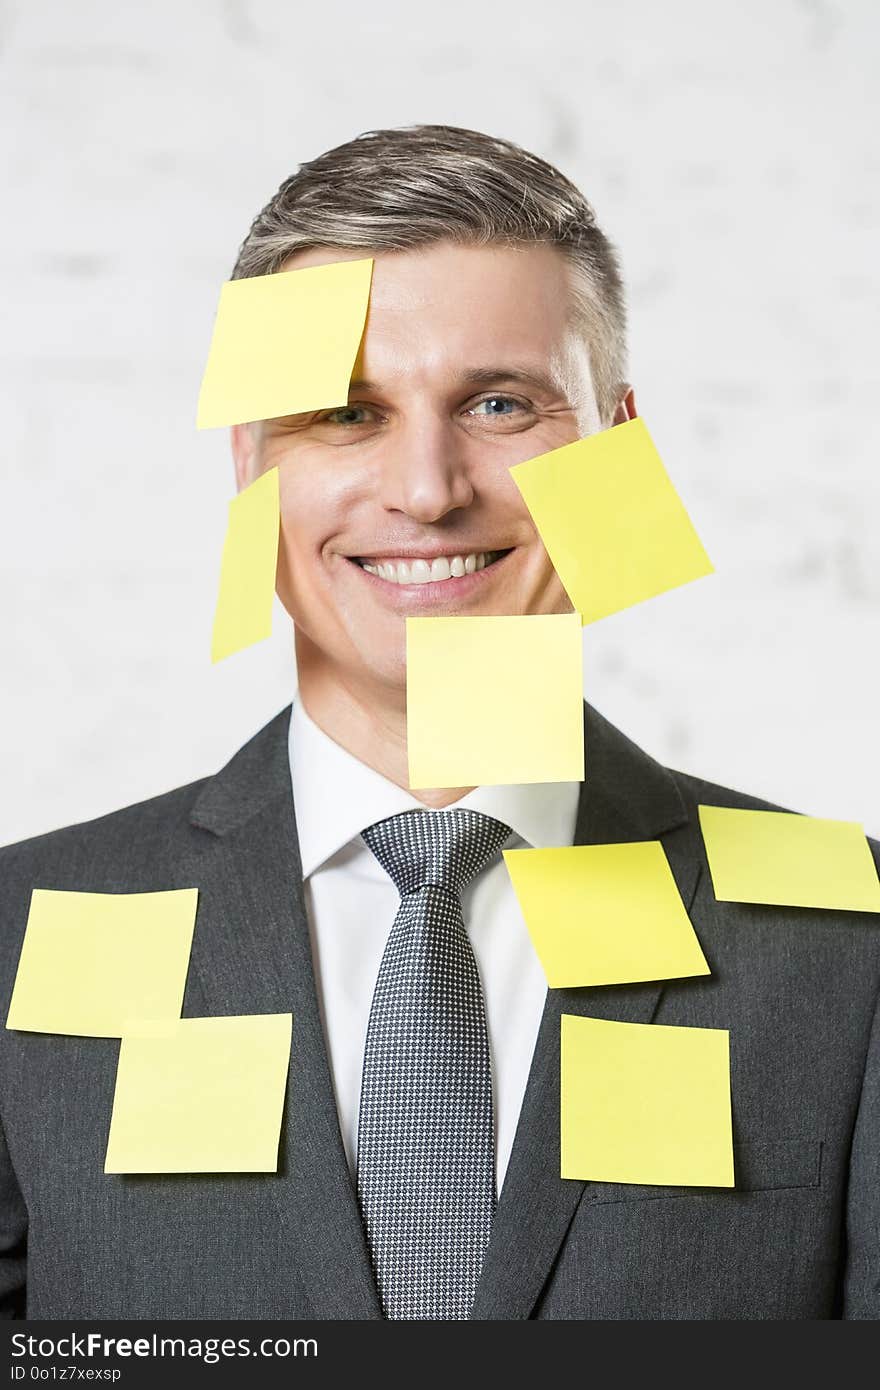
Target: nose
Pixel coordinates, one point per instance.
(424, 470)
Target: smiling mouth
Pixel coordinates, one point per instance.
(423, 571)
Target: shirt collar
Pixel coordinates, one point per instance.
(336, 796)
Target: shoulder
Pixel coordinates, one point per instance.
(145, 822)
(696, 792)
(798, 963)
(148, 831)
(154, 844)
(113, 853)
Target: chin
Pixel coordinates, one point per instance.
(389, 672)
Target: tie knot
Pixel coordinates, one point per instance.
(445, 848)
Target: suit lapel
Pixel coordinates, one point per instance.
(626, 797)
(252, 954)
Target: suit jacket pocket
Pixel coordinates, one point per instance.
(758, 1165)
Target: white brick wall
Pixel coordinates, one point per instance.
(731, 153)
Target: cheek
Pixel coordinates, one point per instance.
(304, 528)
(294, 511)
(309, 515)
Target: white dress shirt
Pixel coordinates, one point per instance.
(351, 904)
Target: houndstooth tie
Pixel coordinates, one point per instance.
(426, 1150)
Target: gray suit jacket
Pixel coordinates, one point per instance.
(799, 1237)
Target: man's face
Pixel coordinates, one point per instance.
(469, 364)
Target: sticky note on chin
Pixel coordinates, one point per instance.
(284, 343)
(646, 1103)
(200, 1095)
(777, 857)
(604, 914)
(494, 700)
(247, 570)
(611, 521)
(90, 960)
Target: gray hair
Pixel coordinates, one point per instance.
(393, 190)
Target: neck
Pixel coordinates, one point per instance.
(368, 721)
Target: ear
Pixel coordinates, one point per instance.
(625, 408)
(245, 442)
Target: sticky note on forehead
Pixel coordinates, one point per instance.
(646, 1103)
(779, 858)
(494, 701)
(90, 960)
(284, 343)
(604, 914)
(611, 521)
(200, 1095)
(243, 614)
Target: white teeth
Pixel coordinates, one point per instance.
(430, 572)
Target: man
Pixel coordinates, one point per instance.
(419, 1174)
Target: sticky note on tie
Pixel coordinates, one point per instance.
(604, 914)
(247, 570)
(90, 960)
(494, 700)
(200, 1095)
(645, 1103)
(779, 858)
(612, 523)
(284, 343)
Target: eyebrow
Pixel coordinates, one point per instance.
(486, 376)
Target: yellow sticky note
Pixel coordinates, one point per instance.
(200, 1095)
(284, 343)
(247, 570)
(794, 861)
(494, 700)
(611, 521)
(646, 1103)
(604, 914)
(90, 960)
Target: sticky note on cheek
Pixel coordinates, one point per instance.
(200, 1095)
(90, 960)
(247, 572)
(494, 700)
(284, 343)
(646, 1103)
(611, 521)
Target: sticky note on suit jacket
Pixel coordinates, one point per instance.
(645, 1103)
(604, 914)
(90, 960)
(200, 1095)
(776, 857)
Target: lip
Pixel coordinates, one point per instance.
(434, 595)
(426, 553)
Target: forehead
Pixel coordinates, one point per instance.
(446, 303)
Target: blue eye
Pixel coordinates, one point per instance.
(349, 410)
(495, 401)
